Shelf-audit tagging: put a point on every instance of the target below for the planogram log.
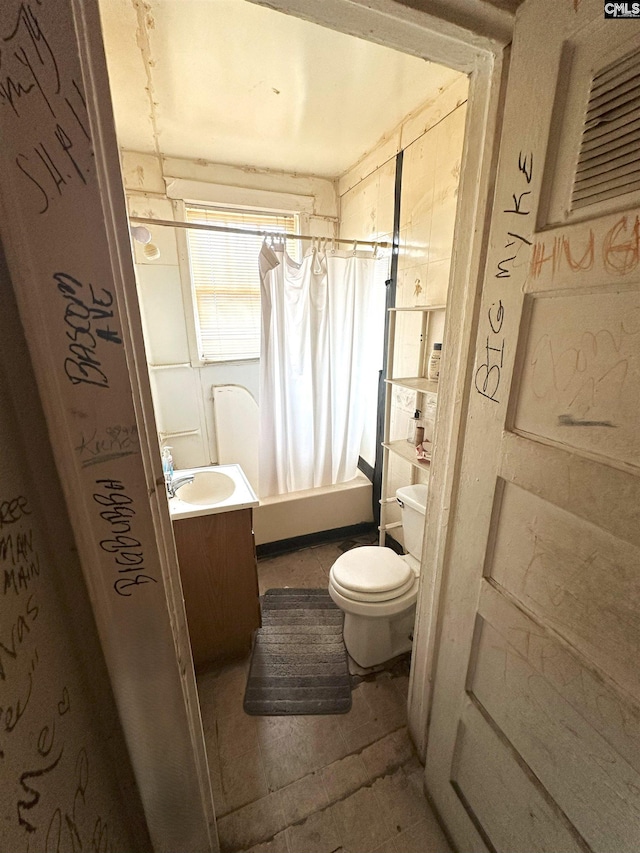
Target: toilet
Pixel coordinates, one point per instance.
(377, 589)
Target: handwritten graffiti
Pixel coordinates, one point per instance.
(30, 71)
(586, 380)
(13, 637)
(13, 710)
(42, 737)
(491, 355)
(30, 786)
(618, 250)
(118, 512)
(621, 247)
(12, 510)
(66, 830)
(112, 443)
(519, 208)
(87, 314)
(487, 376)
(19, 561)
(50, 748)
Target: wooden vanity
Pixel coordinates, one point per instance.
(218, 568)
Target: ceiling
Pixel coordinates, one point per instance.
(231, 82)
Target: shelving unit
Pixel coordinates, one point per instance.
(414, 383)
(419, 384)
(407, 451)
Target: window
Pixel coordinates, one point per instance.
(226, 282)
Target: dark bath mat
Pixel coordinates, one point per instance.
(299, 662)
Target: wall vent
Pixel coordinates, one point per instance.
(609, 161)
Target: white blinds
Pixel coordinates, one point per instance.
(224, 272)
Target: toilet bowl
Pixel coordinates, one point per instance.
(377, 589)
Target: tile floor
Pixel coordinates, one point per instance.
(345, 783)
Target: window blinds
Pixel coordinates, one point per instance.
(225, 278)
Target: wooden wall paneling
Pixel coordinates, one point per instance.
(580, 384)
(573, 576)
(486, 780)
(511, 681)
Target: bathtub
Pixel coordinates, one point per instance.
(313, 510)
(235, 420)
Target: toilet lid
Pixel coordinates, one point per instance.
(371, 569)
(373, 597)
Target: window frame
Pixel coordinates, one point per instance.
(229, 198)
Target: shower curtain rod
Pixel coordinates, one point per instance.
(170, 223)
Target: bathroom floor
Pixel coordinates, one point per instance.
(345, 783)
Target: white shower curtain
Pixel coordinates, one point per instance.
(322, 325)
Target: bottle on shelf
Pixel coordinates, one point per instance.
(415, 427)
(433, 368)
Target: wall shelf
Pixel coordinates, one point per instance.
(423, 308)
(406, 451)
(415, 383)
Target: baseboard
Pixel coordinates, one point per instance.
(296, 543)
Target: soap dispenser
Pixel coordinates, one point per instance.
(167, 467)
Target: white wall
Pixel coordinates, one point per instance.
(432, 143)
(432, 170)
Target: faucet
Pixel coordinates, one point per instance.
(174, 483)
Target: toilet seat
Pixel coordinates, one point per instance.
(371, 574)
(353, 595)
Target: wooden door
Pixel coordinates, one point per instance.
(534, 739)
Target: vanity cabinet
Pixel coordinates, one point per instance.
(219, 574)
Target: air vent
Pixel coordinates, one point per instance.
(609, 162)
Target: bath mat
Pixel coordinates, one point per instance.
(299, 662)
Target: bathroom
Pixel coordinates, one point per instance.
(350, 198)
(519, 696)
(357, 202)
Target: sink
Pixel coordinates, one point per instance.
(208, 487)
(215, 488)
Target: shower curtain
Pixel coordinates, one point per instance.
(322, 329)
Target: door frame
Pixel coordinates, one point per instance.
(479, 53)
(485, 58)
(473, 217)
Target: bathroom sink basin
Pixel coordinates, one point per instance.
(215, 488)
(208, 487)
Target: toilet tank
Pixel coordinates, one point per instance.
(413, 502)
